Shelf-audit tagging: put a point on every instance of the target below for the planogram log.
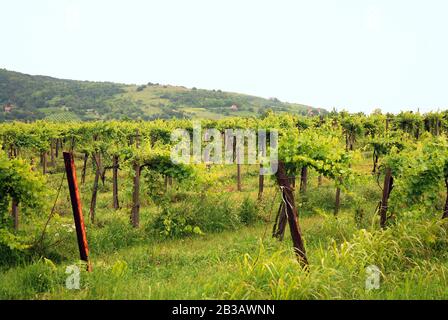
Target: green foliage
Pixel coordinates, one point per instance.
(248, 213)
(115, 233)
(173, 223)
(374, 125)
(153, 185)
(316, 149)
(352, 128)
(420, 171)
(207, 213)
(29, 95)
(178, 247)
(409, 122)
(19, 182)
(39, 97)
(32, 280)
(383, 145)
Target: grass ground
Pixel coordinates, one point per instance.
(234, 260)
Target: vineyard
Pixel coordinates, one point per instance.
(351, 191)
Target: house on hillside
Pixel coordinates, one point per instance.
(234, 107)
(312, 112)
(92, 111)
(7, 108)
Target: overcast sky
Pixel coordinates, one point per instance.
(350, 54)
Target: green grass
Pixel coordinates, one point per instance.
(235, 260)
(158, 100)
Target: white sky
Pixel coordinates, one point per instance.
(352, 54)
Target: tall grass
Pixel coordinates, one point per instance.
(217, 244)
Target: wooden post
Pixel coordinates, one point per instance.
(387, 188)
(291, 213)
(337, 204)
(319, 180)
(115, 182)
(77, 208)
(303, 179)
(52, 153)
(375, 161)
(15, 214)
(43, 160)
(280, 223)
(135, 213)
(260, 183)
(84, 168)
(72, 144)
(337, 201)
(57, 148)
(237, 159)
(97, 161)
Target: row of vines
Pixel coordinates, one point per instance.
(409, 159)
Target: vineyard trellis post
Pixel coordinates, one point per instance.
(260, 183)
(445, 212)
(57, 148)
(84, 168)
(375, 160)
(97, 161)
(43, 162)
(15, 213)
(237, 159)
(77, 208)
(337, 202)
(115, 182)
(135, 212)
(387, 188)
(303, 179)
(319, 180)
(288, 210)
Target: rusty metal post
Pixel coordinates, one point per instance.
(77, 208)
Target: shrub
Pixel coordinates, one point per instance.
(174, 223)
(248, 211)
(207, 213)
(116, 233)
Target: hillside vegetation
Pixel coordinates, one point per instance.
(26, 97)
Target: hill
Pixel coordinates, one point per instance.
(27, 97)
